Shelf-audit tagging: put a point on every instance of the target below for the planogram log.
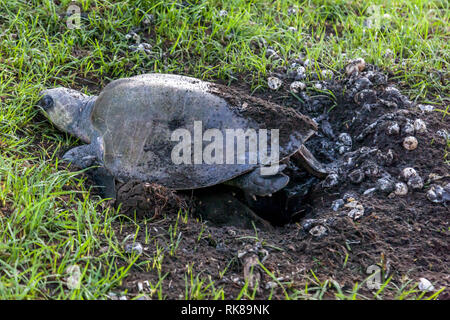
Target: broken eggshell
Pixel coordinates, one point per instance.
(356, 210)
(393, 129)
(331, 180)
(425, 285)
(134, 247)
(420, 126)
(274, 83)
(356, 176)
(401, 189)
(385, 185)
(297, 86)
(355, 66)
(318, 231)
(439, 194)
(327, 74)
(408, 128)
(425, 107)
(408, 173)
(337, 204)
(415, 182)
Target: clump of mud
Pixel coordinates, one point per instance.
(148, 199)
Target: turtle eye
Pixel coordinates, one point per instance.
(46, 102)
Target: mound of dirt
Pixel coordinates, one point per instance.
(368, 211)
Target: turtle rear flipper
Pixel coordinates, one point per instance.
(105, 182)
(307, 160)
(256, 184)
(222, 209)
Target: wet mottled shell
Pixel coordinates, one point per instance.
(135, 117)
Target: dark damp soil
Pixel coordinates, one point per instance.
(266, 114)
(405, 235)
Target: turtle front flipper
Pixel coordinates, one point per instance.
(83, 156)
(255, 184)
(86, 156)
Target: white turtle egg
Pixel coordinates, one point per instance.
(410, 143)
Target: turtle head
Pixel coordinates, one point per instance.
(65, 109)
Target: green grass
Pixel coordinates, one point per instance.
(48, 221)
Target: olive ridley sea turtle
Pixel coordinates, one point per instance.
(128, 128)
